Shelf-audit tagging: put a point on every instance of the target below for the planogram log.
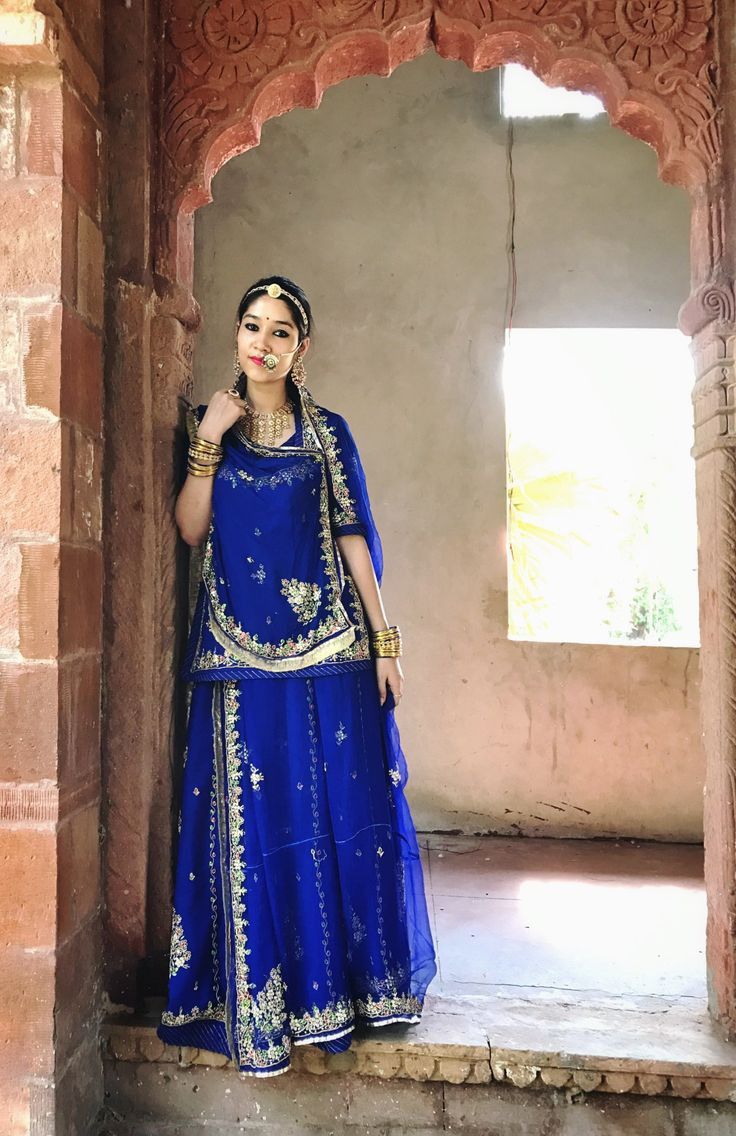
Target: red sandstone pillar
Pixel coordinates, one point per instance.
(710, 316)
(51, 304)
(148, 362)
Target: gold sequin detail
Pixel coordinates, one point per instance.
(180, 956)
(302, 597)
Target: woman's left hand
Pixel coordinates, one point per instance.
(390, 677)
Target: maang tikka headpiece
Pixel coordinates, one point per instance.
(275, 291)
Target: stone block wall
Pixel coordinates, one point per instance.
(51, 312)
(176, 1101)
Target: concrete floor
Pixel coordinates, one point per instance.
(580, 916)
(571, 998)
(595, 948)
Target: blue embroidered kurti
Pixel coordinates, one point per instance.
(299, 905)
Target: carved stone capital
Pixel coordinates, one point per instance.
(713, 302)
(177, 301)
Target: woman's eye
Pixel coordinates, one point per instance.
(280, 331)
(250, 326)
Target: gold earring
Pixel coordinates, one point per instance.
(298, 372)
(236, 364)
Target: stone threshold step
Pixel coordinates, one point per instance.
(468, 1044)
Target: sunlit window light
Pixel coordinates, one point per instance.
(601, 528)
(523, 95)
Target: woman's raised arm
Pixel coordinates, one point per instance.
(193, 509)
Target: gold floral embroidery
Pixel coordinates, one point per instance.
(360, 647)
(337, 1014)
(255, 777)
(214, 1011)
(180, 956)
(358, 928)
(345, 513)
(214, 891)
(320, 1020)
(395, 775)
(231, 476)
(299, 473)
(337, 637)
(269, 1007)
(389, 1005)
(249, 1013)
(316, 828)
(302, 597)
(340, 734)
(209, 660)
(238, 865)
(294, 652)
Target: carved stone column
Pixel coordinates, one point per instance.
(709, 316)
(715, 453)
(175, 322)
(140, 560)
(150, 324)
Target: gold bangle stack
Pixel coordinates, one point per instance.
(204, 457)
(386, 644)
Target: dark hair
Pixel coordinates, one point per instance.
(288, 286)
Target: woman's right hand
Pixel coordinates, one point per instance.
(223, 411)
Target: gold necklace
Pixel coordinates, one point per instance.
(265, 426)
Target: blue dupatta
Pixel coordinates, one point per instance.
(274, 595)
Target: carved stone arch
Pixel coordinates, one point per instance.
(231, 65)
(227, 66)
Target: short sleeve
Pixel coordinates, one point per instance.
(350, 508)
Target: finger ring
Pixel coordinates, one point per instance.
(234, 391)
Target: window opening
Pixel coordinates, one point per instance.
(601, 527)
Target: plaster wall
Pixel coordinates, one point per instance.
(390, 205)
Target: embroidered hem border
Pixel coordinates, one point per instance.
(171, 1022)
(218, 1014)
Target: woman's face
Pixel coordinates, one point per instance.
(267, 327)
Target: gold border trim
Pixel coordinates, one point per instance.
(315, 655)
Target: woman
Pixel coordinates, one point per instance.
(299, 905)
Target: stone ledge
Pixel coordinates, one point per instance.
(134, 1040)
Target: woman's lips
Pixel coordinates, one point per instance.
(256, 359)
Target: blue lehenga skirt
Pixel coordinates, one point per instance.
(299, 905)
